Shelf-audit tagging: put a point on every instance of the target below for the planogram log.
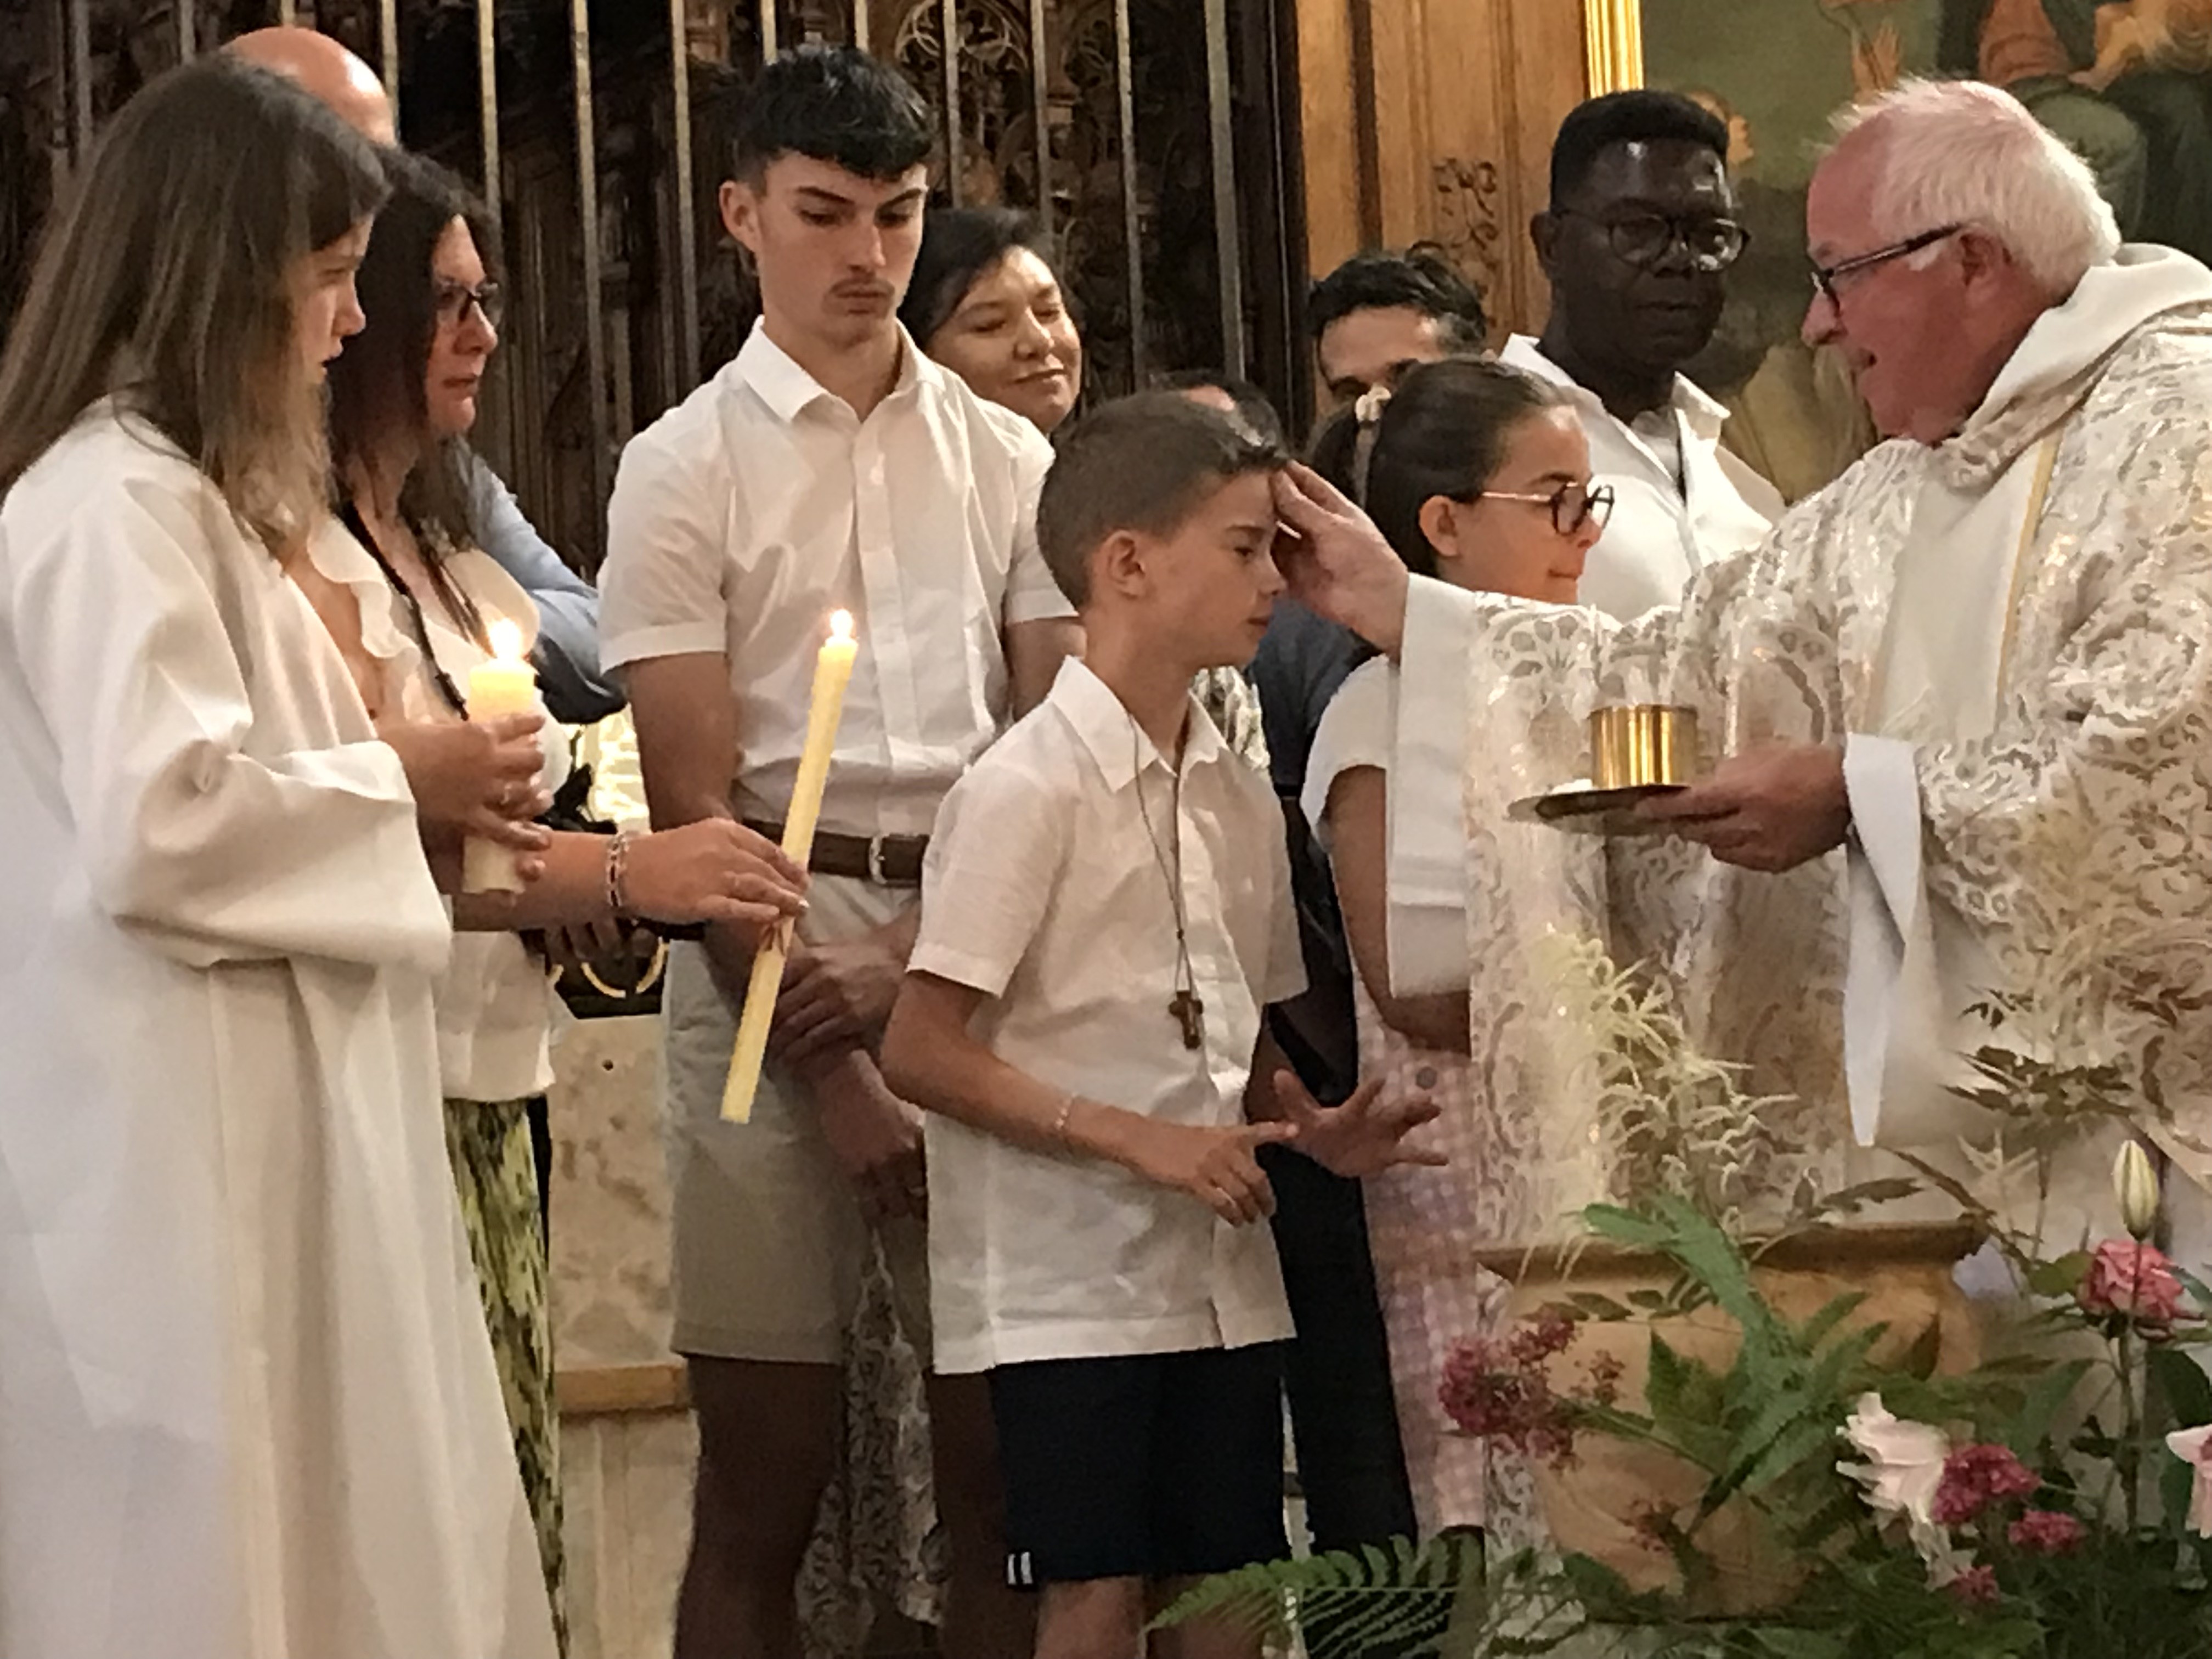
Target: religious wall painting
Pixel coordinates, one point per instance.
(2127, 82)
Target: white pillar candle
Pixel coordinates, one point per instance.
(505, 683)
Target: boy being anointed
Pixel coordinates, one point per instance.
(1106, 910)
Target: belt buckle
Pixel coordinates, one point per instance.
(876, 862)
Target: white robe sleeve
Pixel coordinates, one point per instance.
(197, 833)
(1426, 870)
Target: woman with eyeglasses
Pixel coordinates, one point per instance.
(413, 602)
(1477, 475)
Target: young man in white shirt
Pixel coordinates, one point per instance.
(1636, 242)
(1106, 912)
(830, 465)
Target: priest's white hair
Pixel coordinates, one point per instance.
(1962, 153)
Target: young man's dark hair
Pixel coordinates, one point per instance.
(1379, 313)
(1138, 463)
(1640, 117)
(1420, 279)
(836, 104)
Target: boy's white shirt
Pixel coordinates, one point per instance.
(1043, 890)
(742, 518)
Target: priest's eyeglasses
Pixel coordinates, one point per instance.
(1643, 239)
(453, 301)
(1824, 276)
(1572, 505)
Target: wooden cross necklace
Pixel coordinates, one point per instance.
(1186, 1006)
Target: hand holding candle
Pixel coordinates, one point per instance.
(504, 684)
(833, 669)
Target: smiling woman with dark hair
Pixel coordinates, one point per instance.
(986, 303)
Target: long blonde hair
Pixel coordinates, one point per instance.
(165, 284)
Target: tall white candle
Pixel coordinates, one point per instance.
(832, 670)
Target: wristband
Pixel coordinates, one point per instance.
(618, 867)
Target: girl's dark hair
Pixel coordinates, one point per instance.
(165, 283)
(958, 246)
(377, 386)
(1443, 433)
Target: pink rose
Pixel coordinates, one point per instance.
(2125, 1277)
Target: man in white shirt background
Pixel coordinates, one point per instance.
(830, 465)
(1636, 243)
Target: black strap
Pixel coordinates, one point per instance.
(349, 516)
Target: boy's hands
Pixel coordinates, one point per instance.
(1216, 1167)
(874, 1136)
(1359, 1137)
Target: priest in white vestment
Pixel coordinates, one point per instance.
(1963, 694)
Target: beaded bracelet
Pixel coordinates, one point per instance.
(1059, 1123)
(617, 866)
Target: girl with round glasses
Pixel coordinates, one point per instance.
(1478, 475)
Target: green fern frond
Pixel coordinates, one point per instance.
(1345, 1603)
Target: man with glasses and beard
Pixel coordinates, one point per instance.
(1636, 243)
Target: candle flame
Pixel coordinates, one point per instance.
(841, 624)
(506, 641)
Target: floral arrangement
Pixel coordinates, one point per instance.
(1838, 1484)
(2030, 1507)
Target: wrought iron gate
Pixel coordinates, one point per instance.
(1149, 135)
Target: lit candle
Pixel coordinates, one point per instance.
(832, 670)
(505, 683)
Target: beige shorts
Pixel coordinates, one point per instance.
(770, 1244)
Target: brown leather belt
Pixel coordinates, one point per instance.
(886, 860)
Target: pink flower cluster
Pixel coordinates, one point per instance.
(1499, 1389)
(2045, 1532)
(1976, 1586)
(2131, 1280)
(1975, 1477)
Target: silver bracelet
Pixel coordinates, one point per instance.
(618, 867)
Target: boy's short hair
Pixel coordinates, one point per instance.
(1142, 463)
(838, 104)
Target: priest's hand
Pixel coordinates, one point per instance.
(1336, 562)
(1363, 1136)
(1766, 809)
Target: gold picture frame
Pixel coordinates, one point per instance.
(1613, 43)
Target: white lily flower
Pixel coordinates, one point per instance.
(2194, 1448)
(1904, 1467)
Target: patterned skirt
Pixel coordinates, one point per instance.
(488, 1144)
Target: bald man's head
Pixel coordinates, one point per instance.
(328, 71)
